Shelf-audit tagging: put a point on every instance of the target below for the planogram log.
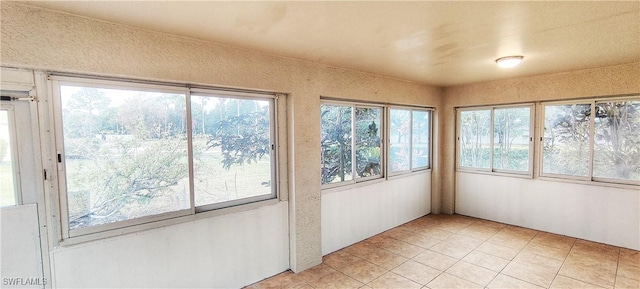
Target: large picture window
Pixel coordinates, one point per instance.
(350, 137)
(593, 140)
(496, 139)
(131, 154)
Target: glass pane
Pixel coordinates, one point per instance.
(566, 139)
(421, 134)
(125, 154)
(368, 141)
(7, 175)
(399, 140)
(336, 143)
(511, 133)
(617, 140)
(231, 148)
(475, 126)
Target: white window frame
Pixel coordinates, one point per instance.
(106, 230)
(382, 129)
(589, 178)
(491, 169)
(411, 109)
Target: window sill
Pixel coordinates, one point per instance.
(589, 182)
(160, 223)
(351, 186)
(501, 174)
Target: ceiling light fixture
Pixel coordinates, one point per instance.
(509, 61)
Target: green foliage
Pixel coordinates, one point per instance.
(337, 143)
(244, 138)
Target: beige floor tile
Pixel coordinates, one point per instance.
(421, 240)
(553, 240)
(282, 280)
(339, 259)
(629, 264)
(360, 249)
(520, 231)
(489, 224)
(508, 239)
(434, 233)
(547, 263)
(402, 248)
(601, 273)
(626, 283)
(473, 273)
(498, 250)
(307, 287)
(452, 226)
(594, 250)
(451, 250)
(485, 260)
(312, 274)
(449, 281)
(336, 280)
(507, 282)
(464, 241)
(391, 280)
(530, 273)
(415, 225)
(384, 259)
(630, 256)
(566, 282)
(547, 251)
(397, 233)
(417, 272)
(629, 270)
(435, 260)
(480, 232)
(379, 240)
(363, 271)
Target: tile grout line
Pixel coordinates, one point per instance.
(563, 261)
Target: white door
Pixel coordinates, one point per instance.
(21, 264)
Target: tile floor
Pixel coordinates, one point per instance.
(443, 251)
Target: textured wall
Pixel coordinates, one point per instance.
(42, 39)
(612, 80)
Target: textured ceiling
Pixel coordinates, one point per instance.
(439, 43)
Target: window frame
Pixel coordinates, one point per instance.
(13, 152)
(411, 169)
(491, 170)
(354, 106)
(589, 178)
(109, 229)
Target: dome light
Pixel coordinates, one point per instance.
(509, 61)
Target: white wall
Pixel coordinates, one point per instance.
(597, 213)
(354, 214)
(20, 256)
(229, 251)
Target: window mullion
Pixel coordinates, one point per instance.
(354, 161)
(491, 131)
(411, 140)
(192, 202)
(591, 139)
